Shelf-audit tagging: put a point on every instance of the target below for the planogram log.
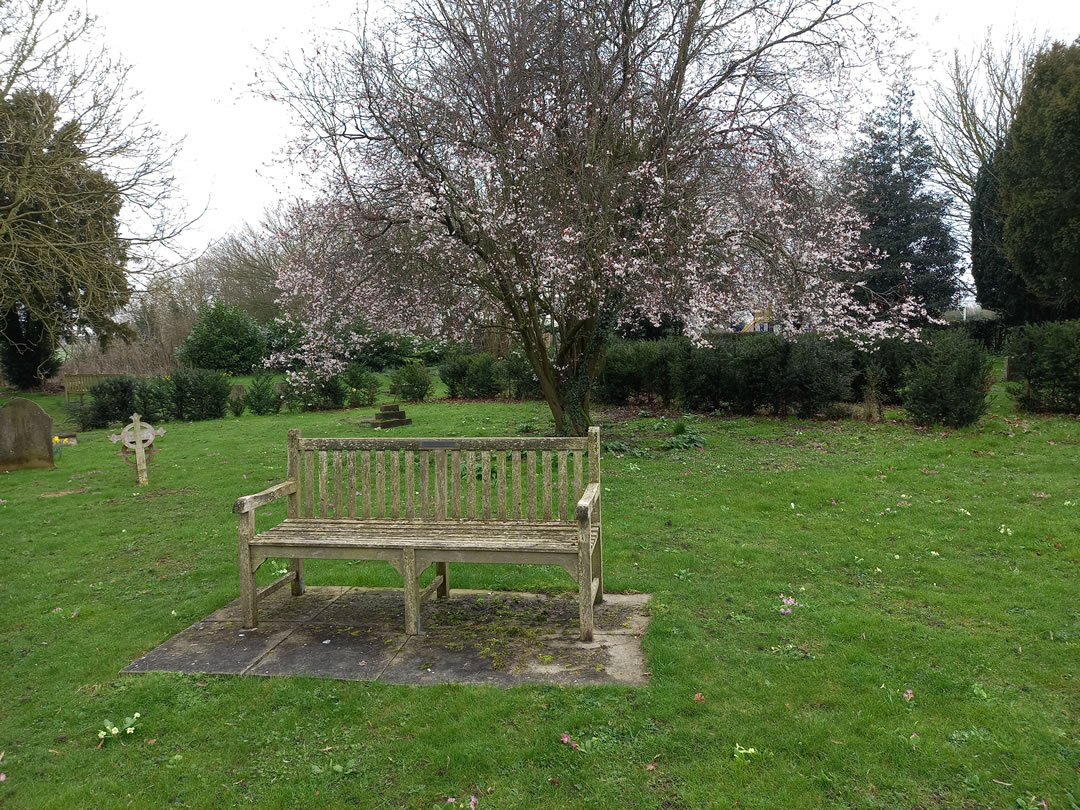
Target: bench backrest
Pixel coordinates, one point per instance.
(442, 479)
(81, 383)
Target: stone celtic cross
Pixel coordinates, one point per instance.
(137, 437)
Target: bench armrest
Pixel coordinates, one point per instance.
(587, 503)
(250, 502)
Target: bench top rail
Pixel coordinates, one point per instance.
(487, 443)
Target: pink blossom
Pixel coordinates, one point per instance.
(909, 694)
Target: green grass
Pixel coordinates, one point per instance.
(921, 559)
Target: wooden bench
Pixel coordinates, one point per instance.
(80, 384)
(419, 502)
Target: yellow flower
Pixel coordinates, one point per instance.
(130, 729)
(55, 439)
(115, 730)
(101, 734)
(137, 715)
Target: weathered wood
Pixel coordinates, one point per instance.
(433, 532)
(365, 481)
(339, 511)
(594, 455)
(530, 473)
(517, 508)
(563, 494)
(412, 591)
(409, 484)
(280, 582)
(248, 594)
(546, 463)
(501, 474)
(380, 483)
(425, 465)
(440, 485)
(395, 483)
(479, 443)
(309, 483)
(250, 502)
(455, 482)
(470, 485)
(322, 483)
(293, 472)
(485, 481)
(579, 472)
(352, 482)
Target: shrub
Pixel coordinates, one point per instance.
(992, 333)
(306, 391)
(521, 378)
(701, 379)
(819, 373)
(363, 385)
(949, 385)
(486, 376)
(224, 338)
(1048, 358)
(385, 350)
(891, 360)
(261, 397)
(200, 394)
(154, 398)
(642, 368)
(237, 404)
(113, 400)
(412, 382)
(755, 373)
(454, 371)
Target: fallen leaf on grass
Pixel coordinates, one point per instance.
(999, 782)
(699, 698)
(151, 742)
(651, 766)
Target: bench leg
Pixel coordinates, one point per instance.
(248, 591)
(296, 565)
(598, 567)
(412, 591)
(443, 570)
(585, 594)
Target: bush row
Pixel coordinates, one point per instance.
(485, 376)
(942, 379)
(188, 394)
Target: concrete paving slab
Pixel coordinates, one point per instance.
(282, 606)
(214, 648)
(479, 637)
(331, 651)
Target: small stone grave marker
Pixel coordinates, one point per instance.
(25, 436)
(236, 392)
(138, 437)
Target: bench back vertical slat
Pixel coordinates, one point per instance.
(579, 473)
(351, 464)
(470, 484)
(425, 464)
(563, 487)
(594, 456)
(322, 483)
(365, 483)
(515, 499)
(440, 485)
(547, 484)
(309, 494)
(455, 483)
(395, 483)
(500, 472)
(294, 472)
(485, 482)
(380, 483)
(530, 477)
(409, 488)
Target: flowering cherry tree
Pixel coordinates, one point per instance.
(555, 168)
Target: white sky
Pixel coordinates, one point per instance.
(194, 62)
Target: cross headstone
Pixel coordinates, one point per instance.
(138, 437)
(25, 436)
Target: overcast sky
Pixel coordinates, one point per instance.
(195, 61)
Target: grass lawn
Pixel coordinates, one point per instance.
(932, 660)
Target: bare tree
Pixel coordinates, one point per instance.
(970, 112)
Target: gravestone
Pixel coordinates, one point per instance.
(138, 438)
(25, 436)
(389, 416)
(237, 392)
(1011, 373)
